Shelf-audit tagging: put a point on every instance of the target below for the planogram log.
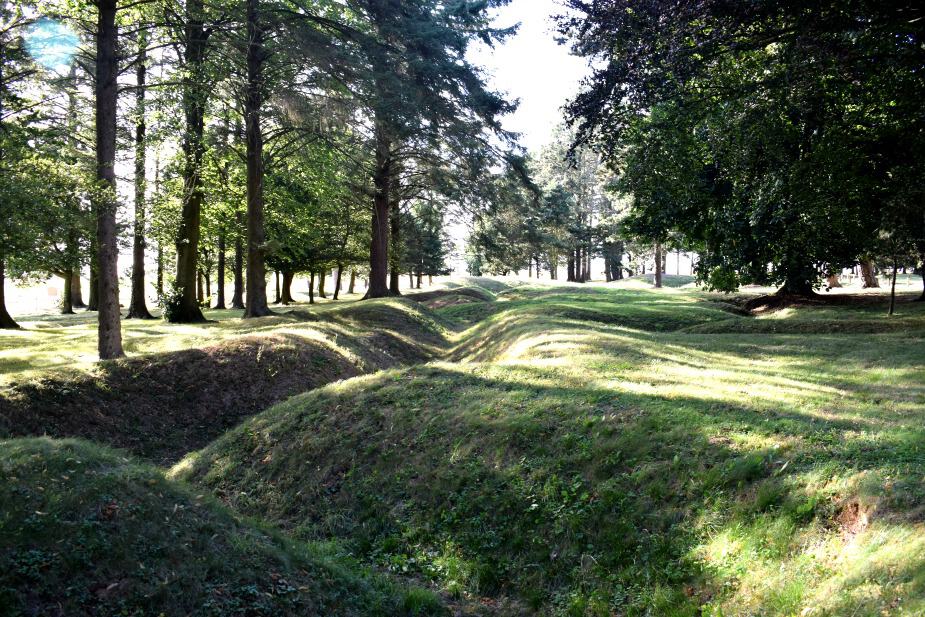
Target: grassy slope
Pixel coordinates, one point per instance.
(84, 531)
(163, 405)
(591, 456)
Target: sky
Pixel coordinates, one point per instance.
(534, 68)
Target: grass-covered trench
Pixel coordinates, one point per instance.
(572, 450)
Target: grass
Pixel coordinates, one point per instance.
(585, 450)
(86, 531)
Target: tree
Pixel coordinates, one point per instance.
(772, 103)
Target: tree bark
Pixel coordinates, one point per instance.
(658, 266)
(279, 297)
(220, 280)
(194, 95)
(893, 285)
(237, 300)
(107, 94)
(200, 294)
(6, 321)
(869, 275)
(67, 298)
(288, 277)
(379, 244)
(93, 303)
(311, 287)
(353, 281)
(256, 305)
(159, 283)
(322, 276)
(832, 281)
(138, 308)
(338, 281)
(77, 300)
(922, 272)
(395, 241)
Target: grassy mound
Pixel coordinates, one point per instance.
(595, 468)
(84, 531)
(162, 406)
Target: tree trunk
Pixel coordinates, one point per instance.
(208, 277)
(658, 266)
(159, 284)
(869, 275)
(67, 298)
(194, 96)
(420, 278)
(395, 256)
(237, 301)
(220, 279)
(353, 281)
(288, 277)
(279, 297)
(338, 281)
(107, 94)
(256, 305)
(832, 281)
(922, 271)
(6, 321)
(571, 267)
(311, 287)
(93, 303)
(322, 276)
(200, 295)
(77, 299)
(137, 308)
(379, 244)
(410, 279)
(893, 286)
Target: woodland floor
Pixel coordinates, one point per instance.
(487, 448)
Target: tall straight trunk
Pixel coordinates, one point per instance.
(658, 266)
(107, 94)
(379, 244)
(93, 303)
(420, 278)
(338, 281)
(67, 298)
(256, 304)
(194, 95)
(588, 264)
(159, 283)
(137, 308)
(77, 299)
(208, 276)
(869, 275)
(237, 300)
(6, 321)
(353, 281)
(570, 267)
(322, 276)
(220, 279)
(311, 287)
(394, 240)
(278, 298)
(893, 285)
(200, 292)
(410, 279)
(288, 277)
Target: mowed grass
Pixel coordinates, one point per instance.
(578, 450)
(588, 454)
(87, 531)
(47, 343)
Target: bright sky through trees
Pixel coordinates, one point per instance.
(534, 68)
